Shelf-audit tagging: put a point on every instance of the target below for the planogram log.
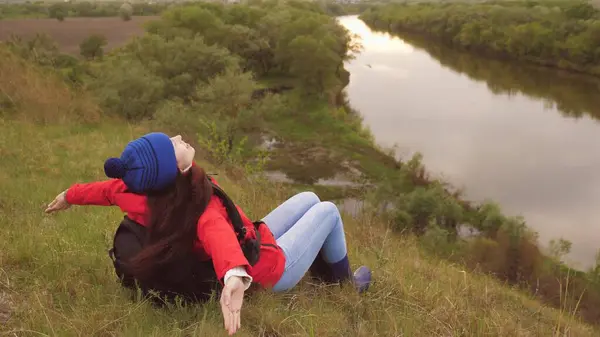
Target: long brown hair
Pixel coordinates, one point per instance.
(172, 223)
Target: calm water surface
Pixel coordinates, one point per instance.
(525, 137)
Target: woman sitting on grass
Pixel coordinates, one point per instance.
(158, 185)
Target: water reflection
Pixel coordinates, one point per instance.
(375, 42)
(574, 95)
(523, 136)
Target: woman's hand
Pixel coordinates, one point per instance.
(59, 203)
(231, 303)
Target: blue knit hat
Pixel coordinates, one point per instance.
(147, 163)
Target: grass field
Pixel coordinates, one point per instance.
(69, 33)
(56, 278)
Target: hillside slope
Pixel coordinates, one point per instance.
(56, 278)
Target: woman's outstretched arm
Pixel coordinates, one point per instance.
(221, 244)
(100, 193)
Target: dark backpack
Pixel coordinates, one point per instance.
(189, 277)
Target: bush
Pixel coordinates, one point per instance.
(227, 98)
(427, 206)
(58, 11)
(177, 116)
(92, 47)
(128, 88)
(182, 63)
(40, 49)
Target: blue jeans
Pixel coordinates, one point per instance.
(302, 226)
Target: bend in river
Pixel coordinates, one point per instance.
(523, 136)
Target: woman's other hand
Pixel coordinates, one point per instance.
(59, 203)
(231, 303)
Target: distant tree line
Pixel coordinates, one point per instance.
(63, 10)
(557, 33)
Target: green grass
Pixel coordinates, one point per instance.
(320, 141)
(56, 278)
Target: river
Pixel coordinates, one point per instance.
(525, 137)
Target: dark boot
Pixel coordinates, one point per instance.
(321, 270)
(341, 272)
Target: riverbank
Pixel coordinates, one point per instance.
(56, 278)
(491, 138)
(459, 109)
(557, 34)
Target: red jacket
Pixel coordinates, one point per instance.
(216, 237)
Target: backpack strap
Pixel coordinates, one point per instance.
(232, 212)
(250, 247)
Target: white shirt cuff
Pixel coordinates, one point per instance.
(241, 272)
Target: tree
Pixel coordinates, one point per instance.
(126, 11)
(594, 271)
(313, 63)
(183, 63)
(58, 11)
(558, 249)
(228, 97)
(227, 101)
(92, 47)
(126, 87)
(248, 44)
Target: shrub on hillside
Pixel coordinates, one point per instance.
(43, 50)
(40, 49)
(431, 206)
(222, 112)
(227, 101)
(93, 47)
(182, 63)
(438, 239)
(175, 115)
(127, 88)
(488, 218)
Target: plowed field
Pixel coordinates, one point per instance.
(69, 33)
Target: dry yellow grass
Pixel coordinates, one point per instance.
(39, 96)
